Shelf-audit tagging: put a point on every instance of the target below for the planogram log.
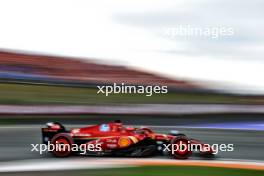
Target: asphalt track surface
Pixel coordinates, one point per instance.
(15, 140)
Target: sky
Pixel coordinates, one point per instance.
(137, 34)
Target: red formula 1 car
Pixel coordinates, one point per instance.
(114, 139)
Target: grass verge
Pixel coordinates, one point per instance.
(151, 171)
(12, 93)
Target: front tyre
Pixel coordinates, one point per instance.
(180, 148)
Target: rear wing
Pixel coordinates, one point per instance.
(51, 129)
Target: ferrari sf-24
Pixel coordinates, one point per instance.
(115, 139)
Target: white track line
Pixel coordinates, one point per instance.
(133, 109)
(57, 164)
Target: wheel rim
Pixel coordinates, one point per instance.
(182, 151)
(62, 147)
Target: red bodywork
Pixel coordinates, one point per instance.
(114, 137)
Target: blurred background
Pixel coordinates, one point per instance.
(54, 54)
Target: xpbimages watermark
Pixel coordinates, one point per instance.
(83, 148)
(131, 89)
(214, 32)
(182, 146)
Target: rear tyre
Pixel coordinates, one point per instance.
(62, 144)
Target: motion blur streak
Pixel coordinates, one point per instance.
(36, 89)
(76, 164)
(247, 145)
(59, 61)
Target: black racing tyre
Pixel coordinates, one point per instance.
(179, 148)
(62, 145)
